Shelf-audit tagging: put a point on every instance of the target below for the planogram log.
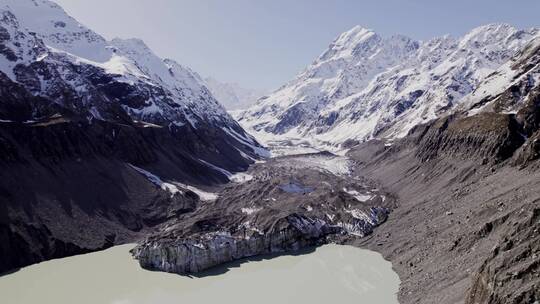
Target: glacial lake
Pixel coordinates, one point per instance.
(328, 274)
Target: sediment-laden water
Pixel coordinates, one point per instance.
(328, 274)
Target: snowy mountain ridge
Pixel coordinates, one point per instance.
(366, 86)
(510, 86)
(48, 34)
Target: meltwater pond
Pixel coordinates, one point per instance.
(329, 274)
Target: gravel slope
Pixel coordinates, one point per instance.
(464, 231)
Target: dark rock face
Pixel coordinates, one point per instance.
(66, 182)
(66, 188)
(7, 52)
(18, 105)
(529, 152)
(263, 216)
(404, 104)
(510, 273)
(290, 119)
(529, 114)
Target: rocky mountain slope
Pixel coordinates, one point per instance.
(466, 226)
(367, 86)
(233, 96)
(83, 122)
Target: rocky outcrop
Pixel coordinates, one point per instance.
(203, 252)
(510, 274)
(199, 253)
(284, 208)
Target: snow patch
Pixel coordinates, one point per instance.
(203, 195)
(216, 168)
(360, 215)
(250, 210)
(236, 177)
(247, 141)
(172, 189)
(241, 178)
(359, 196)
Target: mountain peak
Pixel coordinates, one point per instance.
(344, 45)
(486, 34)
(57, 29)
(366, 85)
(355, 34)
(132, 45)
(493, 27)
(353, 37)
(130, 61)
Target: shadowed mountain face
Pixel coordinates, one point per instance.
(79, 118)
(69, 184)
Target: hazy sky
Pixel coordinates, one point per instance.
(264, 43)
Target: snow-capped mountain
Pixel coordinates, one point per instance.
(510, 87)
(365, 86)
(55, 57)
(233, 96)
(49, 35)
